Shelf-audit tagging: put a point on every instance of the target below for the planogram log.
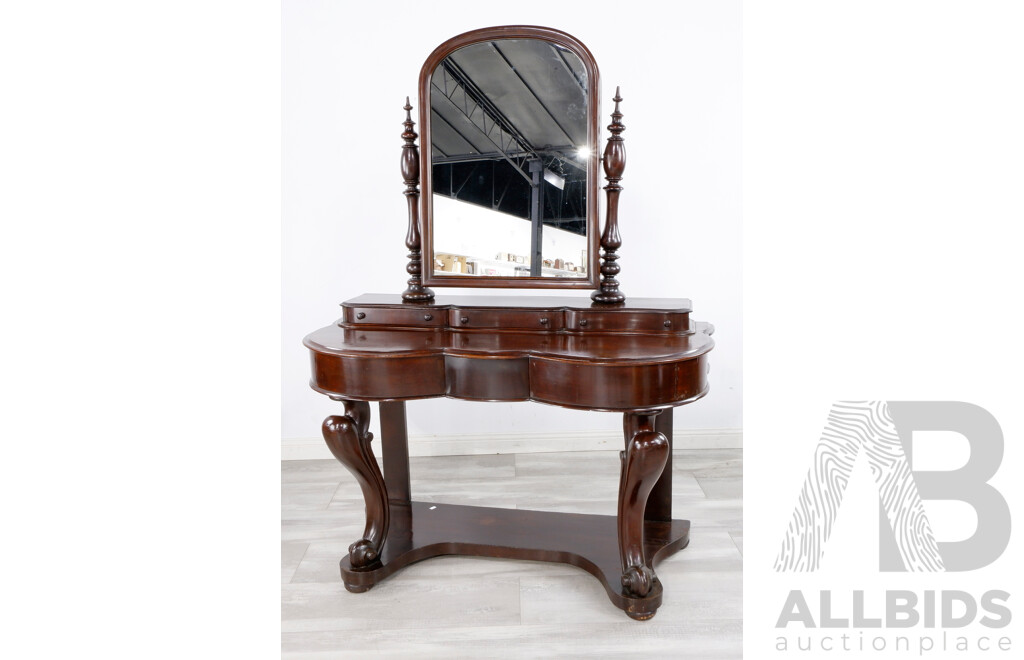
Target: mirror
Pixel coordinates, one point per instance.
(509, 160)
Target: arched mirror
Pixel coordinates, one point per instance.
(509, 160)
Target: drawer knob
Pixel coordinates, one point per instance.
(583, 323)
(668, 324)
(361, 315)
(428, 317)
(464, 319)
(544, 321)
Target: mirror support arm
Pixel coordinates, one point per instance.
(614, 165)
(415, 292)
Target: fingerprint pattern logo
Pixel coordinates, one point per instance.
(854, 426)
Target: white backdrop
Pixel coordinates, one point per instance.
(345, 76)
(883, 215)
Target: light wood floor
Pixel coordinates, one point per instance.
(459, 607)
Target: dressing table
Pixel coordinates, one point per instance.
(509, 173)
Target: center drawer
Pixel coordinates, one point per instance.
(507, 319)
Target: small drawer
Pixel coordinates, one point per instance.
(507, 319)
(611, 321)
(413, 317)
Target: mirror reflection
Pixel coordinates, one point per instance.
(509, 154)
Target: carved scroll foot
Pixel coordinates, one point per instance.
(349, 439)
(643, 461)
(638, 580)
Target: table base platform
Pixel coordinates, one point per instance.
(421, 530)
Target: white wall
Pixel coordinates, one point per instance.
(477, 231)
(346, 72)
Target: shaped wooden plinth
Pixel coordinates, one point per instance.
(422, 530)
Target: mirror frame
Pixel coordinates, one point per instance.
(430, 278)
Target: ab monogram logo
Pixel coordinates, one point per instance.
(882, 431)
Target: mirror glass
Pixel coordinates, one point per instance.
(509, 153)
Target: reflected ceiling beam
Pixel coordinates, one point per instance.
(455, 130)
(469, 177)
(532, 93)
(568, 69)
(464, 158)
(549, 156)
(478, 109)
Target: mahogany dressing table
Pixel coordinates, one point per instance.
(639, 357)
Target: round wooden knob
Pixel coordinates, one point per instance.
(428, 317)
(668, 324)
(361, 315)
(583, 323)
(543, 321)
(464, 319)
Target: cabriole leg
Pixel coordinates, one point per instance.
(643, 461)
(348, 438)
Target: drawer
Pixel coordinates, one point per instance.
(421, 317)
(586, 320)
(507, 319)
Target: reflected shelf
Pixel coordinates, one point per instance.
(449, 263)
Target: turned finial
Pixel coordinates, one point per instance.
(409, 135)
(614, 165)
(415, 292)
(616, 115)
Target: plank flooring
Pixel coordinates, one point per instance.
(464, 607)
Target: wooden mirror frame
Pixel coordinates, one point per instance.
(429, 277)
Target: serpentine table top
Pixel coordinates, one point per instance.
(646, 353)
